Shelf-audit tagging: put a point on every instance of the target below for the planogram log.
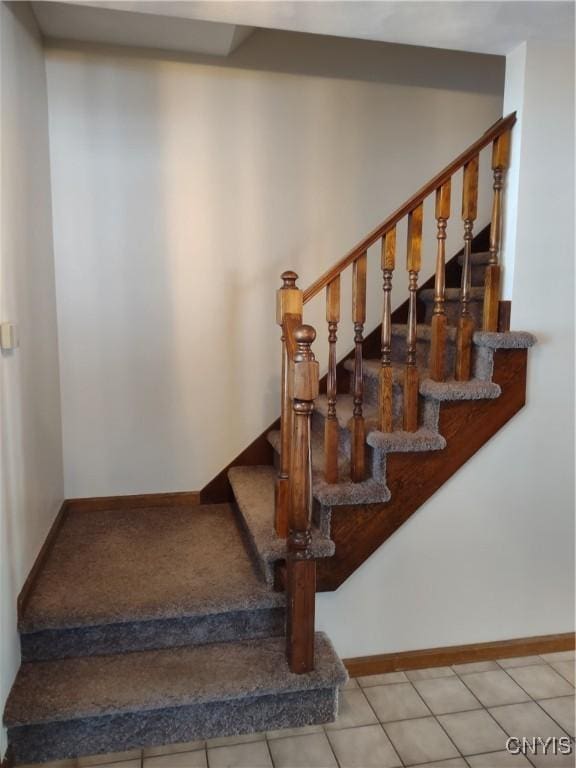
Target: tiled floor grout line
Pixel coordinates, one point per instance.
(269, 751)
(558, 671)
(504, 705)
(332, 748)
(436, 718)
(536, 701)
(431, 714)
(381, 724)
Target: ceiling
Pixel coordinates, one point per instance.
(207, 26)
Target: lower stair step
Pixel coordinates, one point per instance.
(72, 707)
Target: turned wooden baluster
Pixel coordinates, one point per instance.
(358, 453)
(331, 423)
(438, 344)
(465, 321)
(500, 159)
(388, 258)
(288, 315)
(413, 263)
(300, 566)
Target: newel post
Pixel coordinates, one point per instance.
(288, 313)
(301, 567)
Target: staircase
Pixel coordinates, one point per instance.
(154, 625)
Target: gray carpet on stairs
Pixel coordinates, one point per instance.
(105, 703)
(122, 637)
(145, 564)
(474, 389)
(508, 340)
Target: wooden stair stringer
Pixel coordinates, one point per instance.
(413, 478)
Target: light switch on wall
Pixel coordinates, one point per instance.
(8, 339)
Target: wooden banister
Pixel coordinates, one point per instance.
(499, 127)
(299, 384)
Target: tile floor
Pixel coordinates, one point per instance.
(454, 717)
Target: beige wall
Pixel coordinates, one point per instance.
(182, 189)
(31, 478)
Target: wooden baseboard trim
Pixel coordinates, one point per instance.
(22, 598)
(137, 501)
(459, 654)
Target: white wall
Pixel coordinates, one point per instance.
(491, 555)
(182, 189)
(31, 478)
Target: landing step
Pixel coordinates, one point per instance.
(136, 579)
(72, 707)
(253, 489)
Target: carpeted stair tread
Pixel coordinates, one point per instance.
(136, 682)
(345, 492)
(399, 441)
(507, 340)
(451, 294)
(145, 564)
(474, 389)
(253, 488)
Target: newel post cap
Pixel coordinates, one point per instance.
(288, 297)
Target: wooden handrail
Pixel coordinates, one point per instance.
(499, 127)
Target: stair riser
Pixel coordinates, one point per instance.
(478, 275)
(318, 422)
(452, 309)
(94, 735)
(422, 353)
(148, 635)
(373, 458)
